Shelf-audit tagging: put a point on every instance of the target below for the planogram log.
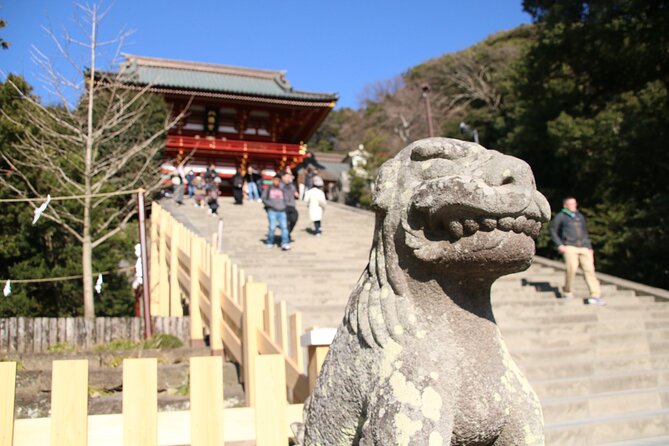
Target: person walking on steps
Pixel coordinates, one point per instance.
(315, 199)
(570, 235)
(275, 204)
(290, 194)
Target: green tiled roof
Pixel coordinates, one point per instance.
(193, 76)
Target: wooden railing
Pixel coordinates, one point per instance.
(238, 314)
(206, 423)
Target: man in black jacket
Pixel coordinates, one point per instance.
(570, 235)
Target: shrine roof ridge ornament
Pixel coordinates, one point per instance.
(208, 77)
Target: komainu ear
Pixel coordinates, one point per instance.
(385, 185)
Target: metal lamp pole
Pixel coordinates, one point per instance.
(428, 111)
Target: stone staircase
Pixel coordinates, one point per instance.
(602, 373)
(105, 380)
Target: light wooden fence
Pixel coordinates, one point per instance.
(207, 423)
(238, 314)
(34, 335)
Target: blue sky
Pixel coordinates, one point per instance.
(329, 46)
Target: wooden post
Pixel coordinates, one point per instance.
(140, 402)
(163, 285)
(318, 343)
(69, 403)
(206, 401)
(175, 308)
(146, 277)
(196, 334)
(7, 393)
(154, 273)
(235, 285)
(269, 315)
(216, 288)
(295, 346)
(253, 295)
(282, 326)
(270, 400)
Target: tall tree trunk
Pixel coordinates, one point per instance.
(87, 247)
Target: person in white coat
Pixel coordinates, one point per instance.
(315, 199)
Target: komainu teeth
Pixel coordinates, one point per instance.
(488, 224)
(470, 226)
(456, 229)
(519, 224)
(536, 229)
(505, 224)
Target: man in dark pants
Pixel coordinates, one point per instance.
(237, 187)
(290, 194)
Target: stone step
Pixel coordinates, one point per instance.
(650, 441)
(593, 366)
(548, 356)
(604, 382)
(605, 404)
(602, 430)
(574, 315)
(611, 342)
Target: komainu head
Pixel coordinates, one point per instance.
(457, 206)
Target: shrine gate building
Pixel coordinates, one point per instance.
(237, 117)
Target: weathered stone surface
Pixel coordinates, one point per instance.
(418, 359)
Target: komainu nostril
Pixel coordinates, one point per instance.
(507, 177)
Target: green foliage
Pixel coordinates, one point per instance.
(157, 341)
(163, 341)
(118, 345)
(61, 347)
(359, 193)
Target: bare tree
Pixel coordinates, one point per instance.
(101, 139)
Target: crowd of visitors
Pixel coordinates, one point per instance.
(278, 198)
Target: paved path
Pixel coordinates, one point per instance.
(316, 276)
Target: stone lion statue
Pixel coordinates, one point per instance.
(418, 358)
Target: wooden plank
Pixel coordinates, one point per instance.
(175, 308)
(53, 331)
(270, 400)
(62, 331)
(69, 403)
(233, 312)
(206, 401)
(232, 343)
(45, 334)
(234, 283)
(282, 326)
(154, 259)
(140, 403)
(21, 335)
(37, 334)
(69, 331)
(294, 377)
(173, 427)
(4, 335)
(7, 393)
(163, 273)
(296, 352)
(253, 295)
(317, 355)
(269, 315)
(13, 334)
(196, 327)
(216, 313)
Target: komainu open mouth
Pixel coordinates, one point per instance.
(440, 226)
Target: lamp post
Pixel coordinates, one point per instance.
(428, 112)
(468, 130)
